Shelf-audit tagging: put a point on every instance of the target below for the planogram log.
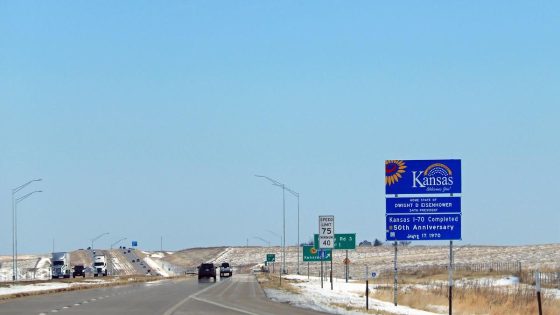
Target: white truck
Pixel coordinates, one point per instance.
(61, 265)
(99, 265)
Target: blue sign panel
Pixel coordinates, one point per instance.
(422, 177)
(424, 227)
(134, 243)
(423, 205)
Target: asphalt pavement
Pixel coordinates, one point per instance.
(240, 294)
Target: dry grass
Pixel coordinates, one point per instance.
(475, 299)
(272, 281)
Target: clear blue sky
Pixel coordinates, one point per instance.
(147, 119)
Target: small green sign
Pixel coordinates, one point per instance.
(310, 253)
(270, 257)
(341, 241)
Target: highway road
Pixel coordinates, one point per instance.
(238, 295)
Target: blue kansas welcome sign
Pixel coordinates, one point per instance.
(422, 177)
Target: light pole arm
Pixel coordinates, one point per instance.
(262, 239)
(18, 200)
(100, 236)
(273, 181)
(115, 243)
(15, 190)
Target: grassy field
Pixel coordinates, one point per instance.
(429, 292)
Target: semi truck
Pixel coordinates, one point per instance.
(61, 265)
(99, 265)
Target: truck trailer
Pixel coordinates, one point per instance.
(99, 265)
(61, 265)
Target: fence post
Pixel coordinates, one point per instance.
(538, 284)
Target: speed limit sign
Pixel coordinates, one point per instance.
(326, 231)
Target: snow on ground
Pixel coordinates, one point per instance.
(488, 282)
(350, 294)
(223, 257)
(156, 266)
(380, 258)
(30, 267)
(157, 255)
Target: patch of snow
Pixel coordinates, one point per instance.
(156, 267)
(489, 282)
(314, 297)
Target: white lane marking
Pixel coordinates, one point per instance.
(183, 301)
(76, 304)
(224, 306)
(42, 313)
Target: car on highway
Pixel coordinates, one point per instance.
(207, 270)
(79, 271)
(225, 269)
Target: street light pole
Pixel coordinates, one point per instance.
(298, 243)
(284, 228)
(18, 200)
(284, 189)
(14, 191)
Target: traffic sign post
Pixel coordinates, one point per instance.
(310, 253)
(271, 258)
(341, 241)
(326, 238)
(423, 216)
(326, 231)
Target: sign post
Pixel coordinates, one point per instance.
(341, 241)
(326, 231)
(326, 237)
(271, 258)
(321, 257)
(538, 287)
(421, 215)
(347, 265)
(367, 289)
(311, 253)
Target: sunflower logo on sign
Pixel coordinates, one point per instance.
(313, 251)
(393, 171)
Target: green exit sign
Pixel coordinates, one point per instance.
(270, 257)
(341, 241)
(311, 253)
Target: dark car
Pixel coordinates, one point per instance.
(79, 271)
(225, 269)
(207, 271)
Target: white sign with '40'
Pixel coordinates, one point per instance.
(326, 231)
